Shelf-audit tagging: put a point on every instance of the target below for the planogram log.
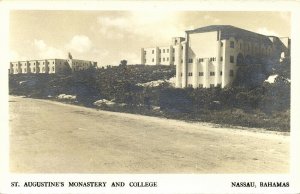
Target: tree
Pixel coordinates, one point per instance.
(123, 62)
(249, 76)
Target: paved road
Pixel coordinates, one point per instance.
(49, 137)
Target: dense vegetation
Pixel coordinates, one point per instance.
(248, 102)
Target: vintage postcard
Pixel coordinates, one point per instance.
(149, 97)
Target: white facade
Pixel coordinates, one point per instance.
(49, 66)
(15, 67)
(210, 56)
(79, 65)
(163, 55)
(33, 66)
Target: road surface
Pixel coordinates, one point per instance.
(51, 137)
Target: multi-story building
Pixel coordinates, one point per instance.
(50, 66)
(210, 56)
(164, 55)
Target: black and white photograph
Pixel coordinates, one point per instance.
(155, 91)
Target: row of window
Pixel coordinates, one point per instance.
(162, 59)
(191, 60)
(33, 70)
(201, 85)
(34, 63)
(163, 50)
(212, 73)
(255, 49)
(202, 59)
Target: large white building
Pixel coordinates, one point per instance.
(164, 55)
(50, 66)
(210, 56)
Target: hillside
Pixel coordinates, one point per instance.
(110, 83)
(251, 104)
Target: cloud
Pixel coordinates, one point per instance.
(156, 25)
(113, 22)
(211, 19)
(266, 31)
(14, 56)
(80, 44)
(40, 44)
(45, 51)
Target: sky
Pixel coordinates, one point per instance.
(111, 36)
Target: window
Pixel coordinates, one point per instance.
(212, 73)
(159, 59)
(167, 58)
(221, 44)
(163, 59)
(221, 72)
(221, 58)
(212, 59)
(159, 51)
(211, 85)
(163, 50)
(219, 85)
(190, 85)
(190, 60)
(200, 85)
(180, 74)
(53, 62)
(181, 47)
(200, 59)
(25, 70)
(190, 74)
(231, 73)
(231, 59)
(43, 69)
(167, 50)
(173, 59)
(145, 52)
(152, 51)
(231, 44)
(201, 73)
(53, 69)
(152, 59)
(34, 69)
(181, 61)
